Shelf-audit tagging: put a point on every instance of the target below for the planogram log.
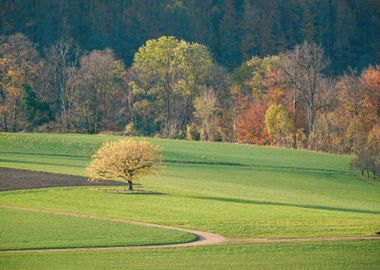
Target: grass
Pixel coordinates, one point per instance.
(317, 255)
(31, 230)
(234, 190)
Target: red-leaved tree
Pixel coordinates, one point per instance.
(250, 126)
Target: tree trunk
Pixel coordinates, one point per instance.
(185, 114)
(14, 123)
(96, 121)
(62, 105)
(294, 144)
(5, 122)
(130, 185)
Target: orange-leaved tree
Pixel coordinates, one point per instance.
(250, 126)
(125, 160)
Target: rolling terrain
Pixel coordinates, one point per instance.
(238, 191)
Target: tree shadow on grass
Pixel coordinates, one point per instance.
(124, 190)
(290, 168)
(305, 206)
(215, 163)
(131, 192)
(263, 167)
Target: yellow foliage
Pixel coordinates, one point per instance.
(125, 160)
(13, 91)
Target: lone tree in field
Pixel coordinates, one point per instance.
(126, 160)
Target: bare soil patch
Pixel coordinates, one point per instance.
(13, 179)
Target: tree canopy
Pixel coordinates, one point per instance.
(168, 74)
(125, 160)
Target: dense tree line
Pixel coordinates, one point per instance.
(292, 100)
(175, 89)
(233, 30)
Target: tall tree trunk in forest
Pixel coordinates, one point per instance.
(302, 70)
(5, 122)
(63, 58)
(294, 118)
(185, 114)
(168, 103)
(14, 118)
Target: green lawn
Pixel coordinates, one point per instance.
(234, 190)
(31, 230)
(317, 255)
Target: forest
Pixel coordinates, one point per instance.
(233, 30)
(299, 75)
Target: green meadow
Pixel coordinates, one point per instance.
(30, 230)
(316, 256)
(239, 191)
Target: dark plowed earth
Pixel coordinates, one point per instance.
(12, 179)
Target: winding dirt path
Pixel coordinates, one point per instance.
(204, 238)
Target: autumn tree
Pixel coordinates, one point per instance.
(354, 112)
(206, 111)
(241, 100)
(125, 160)
(370, 82)
(367, 158)
(250, 126)
(374, 148)
(362, 161)
(302, 71)
(19, 63)
(257, 86)
(101, 81)
(260, 69)
(220, 82)
(169, 74)
(279, 124)
(350, 94)
(60, 76)
(352, 115)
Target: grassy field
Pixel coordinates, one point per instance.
(234, 190)
(29, 230)
(332, 255)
